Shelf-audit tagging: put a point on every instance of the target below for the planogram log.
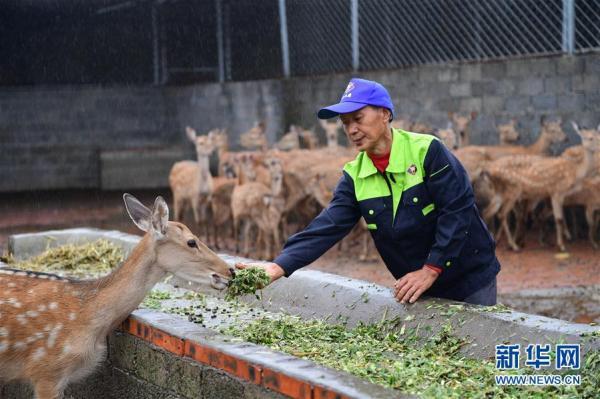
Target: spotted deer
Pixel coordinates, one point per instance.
(255, 138)
(507, 133)
(474, 158)
(289, 141)
(462, 126)
(448, 137)
(191, 182)
(331, 132)
(535, 178)
(221, 142)
(257, 204)
(54, 329)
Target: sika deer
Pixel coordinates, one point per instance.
(255, 138)
(448, 137)
(331, 132)
(289, 141)
(253, 202)
(541, 178)
(221, 142)
(474, 158)
(54, 329)
(507, 134)
(191, 182)
(462, 126)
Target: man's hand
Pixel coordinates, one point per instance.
(273, 269)
(412, 285)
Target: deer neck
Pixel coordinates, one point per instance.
(586, 165)
(203, 164)
(119, 293)
(332, 141)
(541, 145)
(276, 187)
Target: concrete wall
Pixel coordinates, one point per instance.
(53, 138)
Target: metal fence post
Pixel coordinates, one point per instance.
(220, 51)
(355, 42)
(285, 50)
(155, 45)
(568, 28)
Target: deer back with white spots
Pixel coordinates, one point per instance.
(53, 330)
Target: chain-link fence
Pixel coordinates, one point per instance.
(307, 37)
(187, 41)
(399, 33)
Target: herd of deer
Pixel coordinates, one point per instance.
(266, 188)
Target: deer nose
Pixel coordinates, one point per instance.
(232, 271)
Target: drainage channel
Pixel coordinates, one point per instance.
(182, 350)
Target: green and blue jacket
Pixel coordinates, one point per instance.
(420, 211)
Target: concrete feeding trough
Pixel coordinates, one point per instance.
(161, 355)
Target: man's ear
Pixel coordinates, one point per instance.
(386, 114)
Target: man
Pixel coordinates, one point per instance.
(416, 199)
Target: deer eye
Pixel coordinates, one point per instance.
(192, 243)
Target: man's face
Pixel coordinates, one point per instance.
(365, 127)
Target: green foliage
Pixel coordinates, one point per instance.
(247, 281)
(79, 261)
(429, 368)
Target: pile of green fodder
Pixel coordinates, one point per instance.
(87, 260)
(429, 368)
(247, 281)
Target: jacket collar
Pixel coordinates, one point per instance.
(397, 158)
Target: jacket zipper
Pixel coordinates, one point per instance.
(387, 181)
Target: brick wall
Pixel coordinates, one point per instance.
(53, 138)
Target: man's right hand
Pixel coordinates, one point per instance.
(273, 269)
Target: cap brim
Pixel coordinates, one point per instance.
(341, 108)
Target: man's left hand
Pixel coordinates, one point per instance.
(410, 287)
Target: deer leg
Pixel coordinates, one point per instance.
(504, 212)
(520, 214)
(177, 208)
(589, 217)
(235, 227)
(276, 241)
(196, 211)
(245, 237)
(267, 237)
(365, 246)
(559, 221)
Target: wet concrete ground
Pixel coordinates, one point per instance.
(534, 267)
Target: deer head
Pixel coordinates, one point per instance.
(590, 138)
(553, 131)
(448, 137)
(205, 144)
(507, 132)
(174, 247)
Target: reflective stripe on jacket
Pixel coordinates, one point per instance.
(420, 211)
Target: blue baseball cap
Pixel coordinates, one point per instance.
(358, 94)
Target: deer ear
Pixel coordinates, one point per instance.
(191, 133)
(139, 214)
(160, 216)
(575, 127)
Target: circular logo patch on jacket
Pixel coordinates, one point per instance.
(412, 169)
